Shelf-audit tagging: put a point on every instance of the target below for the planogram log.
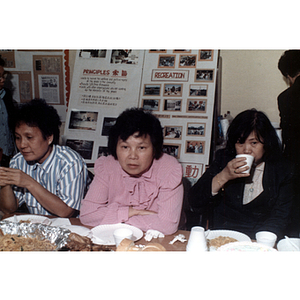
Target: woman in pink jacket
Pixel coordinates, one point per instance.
(137, 184)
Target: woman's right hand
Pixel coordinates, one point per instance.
(9, 176)
(233, 170)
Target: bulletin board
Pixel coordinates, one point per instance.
(39, 74)
(105, 82)
(178, 86)
(48, 78)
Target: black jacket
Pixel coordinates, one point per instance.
(289, 109)
(269, 211)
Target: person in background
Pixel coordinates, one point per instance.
(50, 179)
(7, 111)
(289, 111)
(248, 203)
(137, 183)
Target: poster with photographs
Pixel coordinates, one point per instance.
(178, 86)
(105, 82)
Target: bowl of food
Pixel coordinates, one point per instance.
(218, 238)
(291, 244)
(246, 247)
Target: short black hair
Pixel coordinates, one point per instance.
(249, 121)
(37, 113)
(289, 63)
(134, 120)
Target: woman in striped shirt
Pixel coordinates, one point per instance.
(50, 179)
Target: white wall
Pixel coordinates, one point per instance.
(251, 79)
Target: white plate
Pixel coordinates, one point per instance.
(31, 218)
(246, 247)
(284, 244)
(103, 234)
(83, 231)
(240, 237)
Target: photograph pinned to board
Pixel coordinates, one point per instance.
(108, 122)
(198, 90)
(182, 51)
(172, 149)
(204, 75)
(196, 147)
(150, 104)
(83, 120)
(187, 61)
(196, 129)
(151, 89)
(172, 105)
(83, 53)
(120, 56)
(196, 106)
(83, 147)
(206, 55)
(173, 89)
(173, 132)
(157, 51)
(102, 151)
(166, 61)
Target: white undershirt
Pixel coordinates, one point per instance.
(255, 188)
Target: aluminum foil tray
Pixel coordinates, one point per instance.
(56, 235)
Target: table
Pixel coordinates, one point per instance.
(177, 246)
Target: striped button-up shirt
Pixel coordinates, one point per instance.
(63, 173)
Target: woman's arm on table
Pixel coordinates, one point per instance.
(51, 202)
(167, 217)
(168, 203)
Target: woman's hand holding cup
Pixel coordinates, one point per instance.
(248, 160)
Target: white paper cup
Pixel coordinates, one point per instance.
(122, 233)
(197, 241)
(266, 238)
(249, 161)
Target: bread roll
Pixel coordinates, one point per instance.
(125, 245)
(154, 247)
(128, 245)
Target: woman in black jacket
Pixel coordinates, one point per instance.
(260, 200)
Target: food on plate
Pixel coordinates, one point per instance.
(129, 245)
(220, 241)
(77, 242)
(13, 242)
(246, 246)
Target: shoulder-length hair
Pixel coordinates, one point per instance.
(255, 121)
(135, 120)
